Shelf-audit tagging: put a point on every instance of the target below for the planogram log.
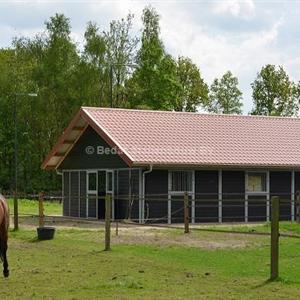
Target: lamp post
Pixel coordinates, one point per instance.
(16, 209)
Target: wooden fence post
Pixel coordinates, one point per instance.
(274, 238)
(41, 210)
(107, 222)
(186, 213)
(117, 227)
(298, 206)
(115, 203)
(16, 211)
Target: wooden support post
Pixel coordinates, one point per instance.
(186, 213)
(41, 210)
(16, 211)
(107, 222)
(274, 237)
(298, 206)
(117, 228)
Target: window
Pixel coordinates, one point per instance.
(109, 183)
(257, 182)
(181, 181)
(92, 181)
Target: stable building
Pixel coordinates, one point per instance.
(230, 166)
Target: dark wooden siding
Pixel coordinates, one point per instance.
(127, 194)
(122, 197)
(83, 194)
(74, 207)
(135, 194)
(79, 159)
(296, 191)
(116, 184)
(66, 194)
(206, 196)
(257, 208)
(233, 195)
(177, 208)
(297, 183)
(280, 185)
(101, 194)
(156, 188)
(92, 206)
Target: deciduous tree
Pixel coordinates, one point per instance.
(225, 96)
(120, 56)
(154, 84)
(274, 94)
(193, 92)
(92, 72)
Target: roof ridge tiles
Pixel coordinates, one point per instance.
(190, 113)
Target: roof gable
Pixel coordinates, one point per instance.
(72, 134)
(91, 152)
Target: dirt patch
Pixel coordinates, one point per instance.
(165, 237)
(132, 234)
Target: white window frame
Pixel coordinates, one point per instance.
(112, 181)
(112, 191)
(257, 192)
(88, 191)
(180, 192)
(91, 192)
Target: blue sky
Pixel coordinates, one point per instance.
(240, 36)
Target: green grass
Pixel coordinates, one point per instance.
(73, 266)
(31, 207)
(284, 227)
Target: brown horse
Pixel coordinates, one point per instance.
(4, 224)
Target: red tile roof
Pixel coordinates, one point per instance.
(185, 139)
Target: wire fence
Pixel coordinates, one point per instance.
(159, 209)
(51, 197)
(169, 208)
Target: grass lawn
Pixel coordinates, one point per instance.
(148, 264)
(31, 207)
(286, 228)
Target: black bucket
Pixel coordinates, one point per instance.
(45, 233)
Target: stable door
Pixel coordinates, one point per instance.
(92, 203)
(105, 187)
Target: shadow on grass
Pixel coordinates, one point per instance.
(264, 283)
(278, 280)
(268, 281)
(35, 240)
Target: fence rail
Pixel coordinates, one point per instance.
(167, 208)
(184, 208)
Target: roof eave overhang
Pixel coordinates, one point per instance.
(59, 151)
(55, 156)
(170, 165)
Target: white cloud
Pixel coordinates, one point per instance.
(242, 53)
(188, 29)
(218, 52)
(240, 9)
(8, 33)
